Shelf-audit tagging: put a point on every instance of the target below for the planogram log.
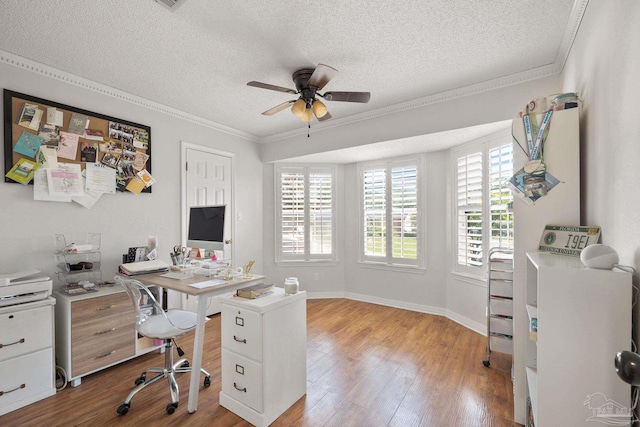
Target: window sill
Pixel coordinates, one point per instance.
(474, 280)
(308, 263)
(413, 269)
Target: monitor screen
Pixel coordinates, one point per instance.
(206, 227)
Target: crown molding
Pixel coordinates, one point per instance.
(65, 77)
(575, 19)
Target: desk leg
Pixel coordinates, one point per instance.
(198, 346)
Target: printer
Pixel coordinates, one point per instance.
(24, 286)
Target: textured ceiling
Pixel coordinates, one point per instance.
(199, 57)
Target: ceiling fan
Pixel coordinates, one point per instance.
(308, 82)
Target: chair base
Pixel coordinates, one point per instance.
(168, 372)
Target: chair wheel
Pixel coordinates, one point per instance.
(207, 381)
(486, 363)
(171, 408)
(141, 379)
(123, 409)
(185, 364)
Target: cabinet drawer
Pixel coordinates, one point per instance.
(501, 325)
(97, 309)
(502, 288)
(242, 379)
(242, 331)
(34, 370)
(25, 331)
(102, 329)
(99, 351)
(501, 345)
(500, 274)
(501, 306)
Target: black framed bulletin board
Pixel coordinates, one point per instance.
(77, 136)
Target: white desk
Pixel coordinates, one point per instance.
(201, 295)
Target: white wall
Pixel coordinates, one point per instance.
(124, 219)
(421, 291)
(603, 67)
(330, 276)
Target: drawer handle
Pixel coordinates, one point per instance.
(106, 307)
(106, 354)
(17, 388)
(243, 341)
(20, 341)
(244, 390)
(105, 332)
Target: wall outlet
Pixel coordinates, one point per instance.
(316, 276)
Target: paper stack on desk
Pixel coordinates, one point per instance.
(144, 267)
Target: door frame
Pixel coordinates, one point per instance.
(184, 146)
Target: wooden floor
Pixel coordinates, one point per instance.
(368, 365)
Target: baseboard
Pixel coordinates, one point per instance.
(395, 303)
(421, 308)
(324, 295)
(467, 323)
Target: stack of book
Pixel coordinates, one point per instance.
(255, 291)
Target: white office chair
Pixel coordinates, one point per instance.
(153, 322)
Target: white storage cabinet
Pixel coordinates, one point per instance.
(97, 330)
(264, 356)
(27, 369)
(583, 318)
(561, 206)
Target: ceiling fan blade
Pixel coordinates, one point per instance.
(321, 76)
(271, 87)
(325, 117)
(348, 96)
(278, 108)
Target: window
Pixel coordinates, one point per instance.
(305, 213)
(483, 216)
(390, 212)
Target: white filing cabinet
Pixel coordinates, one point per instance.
(264, 355)
(27, 370)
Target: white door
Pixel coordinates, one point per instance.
(207, 179)
(208, 182)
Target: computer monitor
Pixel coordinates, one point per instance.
(206, 227)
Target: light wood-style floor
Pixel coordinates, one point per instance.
(368, 365)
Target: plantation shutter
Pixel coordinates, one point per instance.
(404, 199)
(320, 212)
(469, 203)
(375, 207)
(292, 212)
(500, 197)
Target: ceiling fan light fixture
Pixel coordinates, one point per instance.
(307, 115)
(319, 109)
(298, 107)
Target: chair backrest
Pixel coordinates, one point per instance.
(144, 302)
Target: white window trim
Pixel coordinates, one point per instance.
(480, 145)
(306, 258)
(389, 263)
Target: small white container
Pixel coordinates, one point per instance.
(291, 285)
